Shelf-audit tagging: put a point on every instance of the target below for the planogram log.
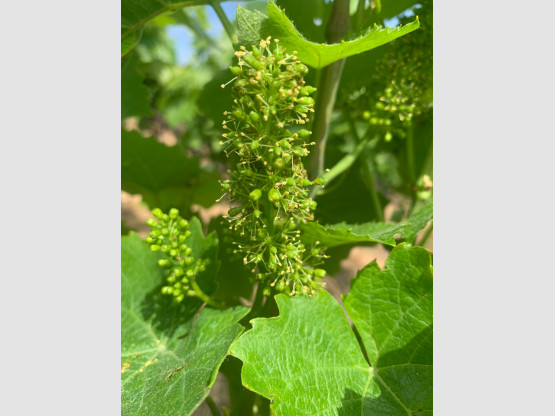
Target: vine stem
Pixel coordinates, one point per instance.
(203, 296)
(230, 30)
(336, 29)
(426, 235)
(212, 405)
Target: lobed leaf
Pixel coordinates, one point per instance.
(170, 353)
(392, 311)
(308, 361)
(253, 26)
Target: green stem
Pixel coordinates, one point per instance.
(425, 236)
(213, 408)
(336, 29)
(203, 296)
(360, 15)
(369, 179)
(230, 30)
(257, 303)
(410, 154)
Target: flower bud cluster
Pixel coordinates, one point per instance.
(269, 182)
(169, 237)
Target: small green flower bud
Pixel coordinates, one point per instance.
(151, 222)
(163, 262)
(235, 70)
(284, 143)
(312, 205)
(255, 145)
(155, 247)
(254, 116)
(321, 273)
(306, 100)
(320, 180)
(173, 253)
(188, 260)
(226, 186)
(274, 195)
(257, 213)
(183, 223)
(174, 212)
(255, 195)
(279, 163)
(188, 251)
(306, 182)
(178, 271)
(304, 133)
(180, 298)
(238, 114)
(157, 212)
(167, 290)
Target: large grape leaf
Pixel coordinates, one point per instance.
(170, 353)
(392, 311)
(372, 232)
(309, 362)
(253, 26)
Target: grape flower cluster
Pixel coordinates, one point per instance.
(269, 184)
(169, 236)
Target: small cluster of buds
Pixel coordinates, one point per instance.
(269, 182)
(169, 236)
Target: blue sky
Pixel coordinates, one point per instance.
(183, 37)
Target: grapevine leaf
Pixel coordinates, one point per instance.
(169, 356)
(253, 26)
(372, 232)
(165, 176)
(309, 362)
(392, 311)
(305, 359)
(135, 14)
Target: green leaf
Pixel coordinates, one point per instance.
(253, 26)
(165, 176)
(392, 311)
(135, 14)
(308, 360)
(372, 232)
(134, 95)
(169, 357)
